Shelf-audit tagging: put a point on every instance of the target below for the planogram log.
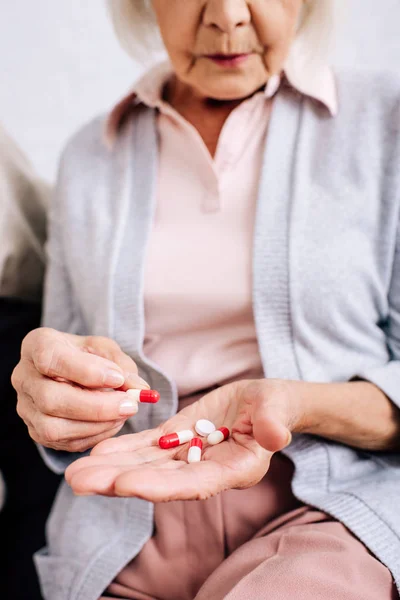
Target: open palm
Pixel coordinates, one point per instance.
(134, 465)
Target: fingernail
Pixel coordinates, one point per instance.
(114, 378)
(143, 382)
(139, 382)
(133, 380)
(128, 408)
(289, 439)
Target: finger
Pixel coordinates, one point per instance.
(79, 445)
(55, 430)
(128, 443)
(131, 459)
(101, 479)
(188, 482)
(56, 354)
(109, 349)
(134, 382)
(58, 433)
(268, 427)
(65, 400)
(95, 480)
(25, 407)
(121, 460)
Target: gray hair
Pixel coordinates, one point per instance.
(136, 27)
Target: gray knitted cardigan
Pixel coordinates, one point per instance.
(326, 293)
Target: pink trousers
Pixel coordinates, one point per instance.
(250, 545)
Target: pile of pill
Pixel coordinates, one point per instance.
(203, 428)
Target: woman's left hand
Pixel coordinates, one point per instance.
(259, 414)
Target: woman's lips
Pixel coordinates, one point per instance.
(228, 60)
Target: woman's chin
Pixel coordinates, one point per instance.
(231, 90)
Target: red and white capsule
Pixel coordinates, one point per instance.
(147, 396)
(218, 436)
(195, 448)
(175, 439)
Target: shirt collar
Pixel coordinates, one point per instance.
(318, 84)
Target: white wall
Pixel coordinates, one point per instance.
(60, 65)
(371, 33)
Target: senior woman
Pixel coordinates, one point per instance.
(234, 242)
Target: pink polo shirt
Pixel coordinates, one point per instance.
(199, 325)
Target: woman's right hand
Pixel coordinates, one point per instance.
(72, 389)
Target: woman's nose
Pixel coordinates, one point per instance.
(226, 15)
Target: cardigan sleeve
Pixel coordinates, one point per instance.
(387, 376)
(61, 309)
